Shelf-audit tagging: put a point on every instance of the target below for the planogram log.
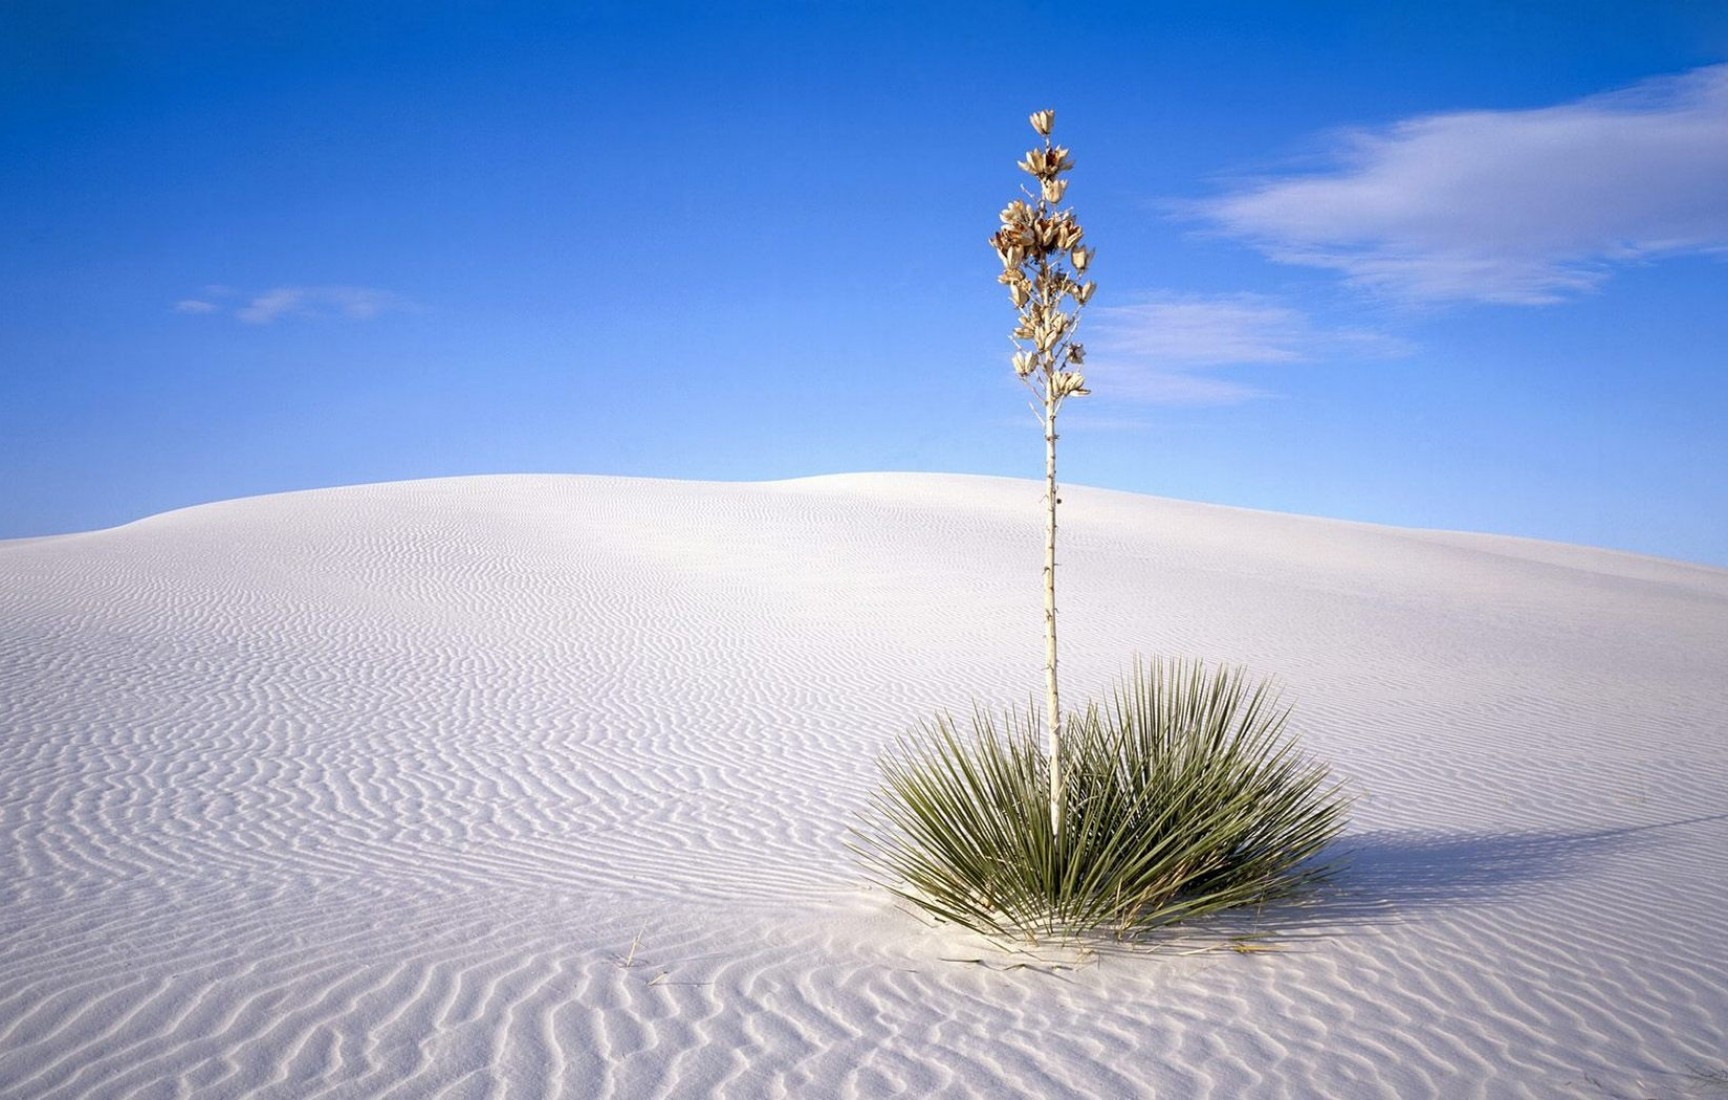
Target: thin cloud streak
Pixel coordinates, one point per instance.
(1520, 207)
(355, 303)
(1157, 350)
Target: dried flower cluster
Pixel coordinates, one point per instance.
(1043, 258)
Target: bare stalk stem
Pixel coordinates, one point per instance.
(1052, 700)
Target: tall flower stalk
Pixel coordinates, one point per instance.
(1044, 260)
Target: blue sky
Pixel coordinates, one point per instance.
(1460, 266)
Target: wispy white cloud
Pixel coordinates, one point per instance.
(1160, 349)
(272, 304)
(1524, 206)
(356, 303)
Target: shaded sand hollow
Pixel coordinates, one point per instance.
(538, 786)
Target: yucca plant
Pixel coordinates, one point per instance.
(1180, 797)
(1184, 796)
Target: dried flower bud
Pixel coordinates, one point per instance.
(1046, 164)
(1081, 257)
(1048, 329)
(1053, 190)
(1009, 247)
(1083, 293)
(1069, 383)
(1022, 363)
(1019, 293)
(1042, 121)
(1016, 214)
(1076, 353)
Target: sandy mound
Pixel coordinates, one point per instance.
(539, 785)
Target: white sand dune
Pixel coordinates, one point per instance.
(538, 786)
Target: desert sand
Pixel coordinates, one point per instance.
(539, 786)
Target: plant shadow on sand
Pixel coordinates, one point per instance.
(1389, 875)
(1386, 877)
